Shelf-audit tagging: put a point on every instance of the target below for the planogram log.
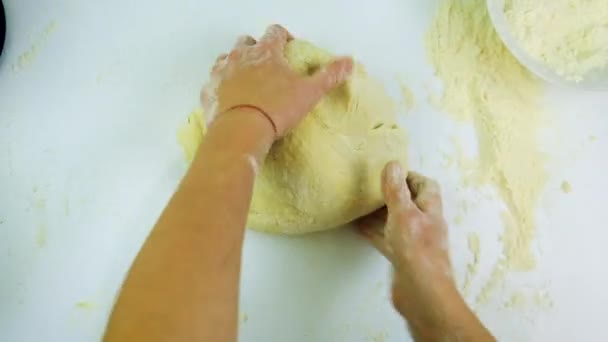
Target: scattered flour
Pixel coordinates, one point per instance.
(408, 97)
(27, 57)
(517, 301)
(484, 83)
(566, 187)
(473, 266)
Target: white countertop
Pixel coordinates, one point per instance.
(91, 96)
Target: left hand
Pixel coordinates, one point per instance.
(412, 234)
(255, 74)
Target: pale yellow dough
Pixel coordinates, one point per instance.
(326, 172)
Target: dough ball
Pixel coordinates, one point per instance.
(327, 171)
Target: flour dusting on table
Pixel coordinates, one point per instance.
(484, 83)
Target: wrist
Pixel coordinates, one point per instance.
(432, 301)
(438, 307)
(440, 314)
(243, 130)
(258, 111)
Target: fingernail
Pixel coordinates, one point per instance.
(350, 65)
(394, 175)
(346, 68)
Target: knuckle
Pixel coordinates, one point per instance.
(277, 29)
(275, 32)
(408, 216)
(205, 97)
(433, 187)
(234, 55)
(430, 201)
(220, 58)
(240, 42)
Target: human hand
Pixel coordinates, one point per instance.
(411, 232)
(255, 74)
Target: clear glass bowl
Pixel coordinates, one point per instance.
(598, 81)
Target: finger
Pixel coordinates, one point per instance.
(425, 192)
(379, 215)
(209, 102)
(375, 219)
(394, 187)
(376, 237)
(220, 64)
(244, 41)
(331, 76)
(221, 58)
(276, 36)
(206, 96)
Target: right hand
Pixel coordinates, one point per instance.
(412, 234)
(255, 74)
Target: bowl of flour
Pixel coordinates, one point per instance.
(562, 41)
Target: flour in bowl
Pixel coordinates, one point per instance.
(568, 36)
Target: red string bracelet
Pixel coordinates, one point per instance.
(248, 106)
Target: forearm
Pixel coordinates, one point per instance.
(445, 317)
(183, 284)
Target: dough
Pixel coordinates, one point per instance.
(327, 171)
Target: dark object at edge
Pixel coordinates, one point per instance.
(2, 27)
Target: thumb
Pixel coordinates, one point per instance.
(394, 187)
(332, 75)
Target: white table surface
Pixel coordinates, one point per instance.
(88, 158)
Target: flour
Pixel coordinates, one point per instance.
(484, 83)
(408, 97)
(27, 57)
(566, 187)
(517, 301)
(253, 163)
(474, 247)
(568, 36)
